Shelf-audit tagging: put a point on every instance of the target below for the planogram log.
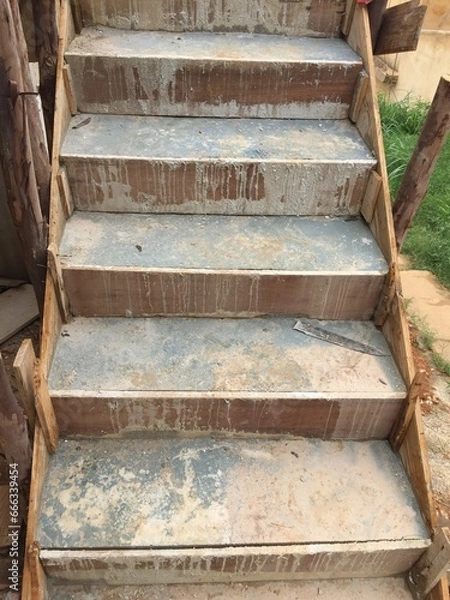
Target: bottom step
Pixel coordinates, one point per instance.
(393, 588)
(206, 510)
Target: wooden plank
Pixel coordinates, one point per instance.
(441, 591)
(323, 416)
(270, 563)
(70, 89)
(358, 96)
(415, 460)
(371, 195)
(18, 308)
(54, 266)
(51, 325)
(44, 409)
(348, 16)
(219, 293)
(24, 373)
(309, 17)
(213, 75)
(39, 469)
(432, 566)
(396, 332)
(400, 429)
(65, 192)
(414, 185)
(400, 28)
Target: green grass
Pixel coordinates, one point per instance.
(428, 240)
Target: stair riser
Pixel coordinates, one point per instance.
(96, 292)
(215, 187)
(311, 17)
(323, 418)
(321, 561)
(177, 87)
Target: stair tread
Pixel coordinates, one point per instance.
(393, 588)
(290, 244)
(231, 46)
(208, 139)
(223, 356)
(188, 493)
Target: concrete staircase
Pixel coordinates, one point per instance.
(208, 448)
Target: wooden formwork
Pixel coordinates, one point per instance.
(407, 436)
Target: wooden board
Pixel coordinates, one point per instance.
(18, 308)
(309, 17)
(400, 28)
(24, 372)
(5, 521)
(212, 75)
(329, 417)
(32, 586)
(318, 561)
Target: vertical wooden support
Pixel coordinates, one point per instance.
(56, 273)
(70, 89)
(376, 14)
(431, 566)
(24, 372)
(371, 196)
(358, 96)
(65, 193)
(34, 579)
(415, 181)
(401, 426)
(44, 409)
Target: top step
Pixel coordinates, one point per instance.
(320, 18)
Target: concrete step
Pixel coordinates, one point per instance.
(212, 75)
(309, 17)
(227, 376)
(205, 510)
(382, 588)
(145, 265)
(234, 166)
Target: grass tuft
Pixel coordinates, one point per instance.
(428, 240)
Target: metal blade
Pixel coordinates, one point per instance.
(339, 340)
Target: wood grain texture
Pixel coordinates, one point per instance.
(212, 87)
(216, 187)
(232, 564)
(311, 17)
(44, 409)
(415, 459)
(39, 467)
(328, 417)
(116, 292)
(406, 18)
(24, 372)
(432, 565)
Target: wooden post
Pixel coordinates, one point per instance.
(44, 409)
(46, 36)
(23, 151)
(415, 181)
(432, 565)
(14, 440)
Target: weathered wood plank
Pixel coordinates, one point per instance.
(115, 292)
(414, 185)
(323, 416)
(212, 75)
(415, 459)
(319, 561)
(371, 196)
(44, 409)
(24, 374)
(400, 28)
(401, 426)
(310, 17)
(432, 566)
(33, 582)
(54, 266)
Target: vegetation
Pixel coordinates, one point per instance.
(428, 241)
